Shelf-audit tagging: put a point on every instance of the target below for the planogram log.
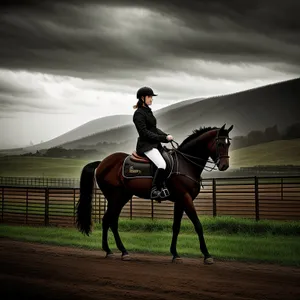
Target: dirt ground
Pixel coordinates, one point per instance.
(35, 271)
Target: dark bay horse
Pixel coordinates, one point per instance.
(120, 176)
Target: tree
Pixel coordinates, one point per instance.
(272, 134)
(255, 137)
(292, 132)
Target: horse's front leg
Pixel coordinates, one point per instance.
(190, 210)
(178, 212)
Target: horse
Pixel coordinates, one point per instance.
(120, 176)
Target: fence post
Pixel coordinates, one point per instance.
(256, 198)
(131, 208)
(47, 206)
(3, 203)
(95, 203)
(214, 195)
(152, 209)
(281, 181)
(26, 217)
(99, 207)
(74, 205)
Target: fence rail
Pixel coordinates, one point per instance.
(39, 181)
(274, 198)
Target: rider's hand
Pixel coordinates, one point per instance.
(169, 137)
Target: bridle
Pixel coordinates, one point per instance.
(218, 140)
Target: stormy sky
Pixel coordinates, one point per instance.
(64, 63)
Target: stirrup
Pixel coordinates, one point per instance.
(164, 192)
(154, 190)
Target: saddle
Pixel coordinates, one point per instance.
(135, 157)
(136, 166)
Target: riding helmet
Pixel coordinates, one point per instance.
(144, 91)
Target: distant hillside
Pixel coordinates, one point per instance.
(284, 152)
(100, 125)
(87, 129)
(250, 110)
(177, 105)
(274, 153)
(255, 109)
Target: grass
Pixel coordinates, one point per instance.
(41, 166)
(283, 152)
(227, 238)
(222, 225)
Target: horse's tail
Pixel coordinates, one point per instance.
(84, 205)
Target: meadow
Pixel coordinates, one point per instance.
(227, 238)
(282, 152)
(41, 166)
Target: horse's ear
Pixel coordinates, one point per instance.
(230, 128)
(222, 128)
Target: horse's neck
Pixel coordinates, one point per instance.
(196, 155)
(196, 147)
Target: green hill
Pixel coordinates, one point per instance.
(40, 166)
(283, 152)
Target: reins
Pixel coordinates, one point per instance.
(188, 156)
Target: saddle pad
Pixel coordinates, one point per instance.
(134, 169)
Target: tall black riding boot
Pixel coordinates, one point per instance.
(158, 184)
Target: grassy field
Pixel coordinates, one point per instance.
(284, 152)
(41, 166)
(273, 153)
(227, 238)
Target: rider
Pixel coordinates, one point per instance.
(150, 139)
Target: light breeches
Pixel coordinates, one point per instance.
(155, 156)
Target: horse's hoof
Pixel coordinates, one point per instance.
(177, 260)
(126, 257)
(208, 261)
(110, 255)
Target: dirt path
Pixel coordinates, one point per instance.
(34, 271)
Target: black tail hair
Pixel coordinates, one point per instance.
(84, 205)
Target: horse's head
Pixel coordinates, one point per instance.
(208, 142)
(219, 146)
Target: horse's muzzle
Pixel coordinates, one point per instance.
(223, 163)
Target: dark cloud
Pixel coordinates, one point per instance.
(10, 87)
(26, 96)
(91, 40)
(13, 104)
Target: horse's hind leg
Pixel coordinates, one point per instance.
(119, 202)
(105, 227)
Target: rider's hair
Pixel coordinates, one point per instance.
(138, 104)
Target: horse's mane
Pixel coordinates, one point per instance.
(196, 133)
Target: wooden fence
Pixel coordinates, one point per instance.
(274, 198)
(39, 181)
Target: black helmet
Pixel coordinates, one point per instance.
(144, 91)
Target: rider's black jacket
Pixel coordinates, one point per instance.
(149, 135)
